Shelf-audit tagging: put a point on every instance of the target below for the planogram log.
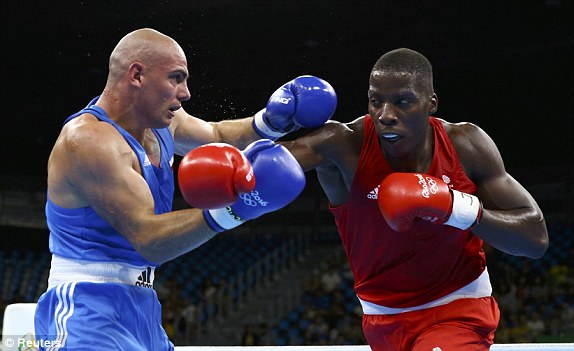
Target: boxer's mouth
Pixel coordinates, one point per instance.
(391, 137)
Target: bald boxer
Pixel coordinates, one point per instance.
(111, 184)
(414, 197)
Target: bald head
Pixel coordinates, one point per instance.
(146, 46)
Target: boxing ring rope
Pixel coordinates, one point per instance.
(19, 324)
(496, 347)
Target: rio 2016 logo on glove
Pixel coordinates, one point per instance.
(252, 199)
(429, 185)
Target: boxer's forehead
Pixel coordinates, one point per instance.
(393, 83)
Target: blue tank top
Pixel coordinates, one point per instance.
(80, 233)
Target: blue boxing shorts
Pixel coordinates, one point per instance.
(93, 306)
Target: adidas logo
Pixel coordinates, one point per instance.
(373, 194)
(446, 179)
(145, 279)
(146, 161)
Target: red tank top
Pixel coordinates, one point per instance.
(409, 268)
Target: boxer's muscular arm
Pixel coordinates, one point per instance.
(92, 165)
(306, 101)
(511, 221)
(332, 150)
(190, 132)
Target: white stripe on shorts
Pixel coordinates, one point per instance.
(64, 310)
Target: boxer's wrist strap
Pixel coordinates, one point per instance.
(212, 223)
(466, 211)
(221, 219)
(263, 129)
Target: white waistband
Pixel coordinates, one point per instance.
(64, 270)
(480, 287)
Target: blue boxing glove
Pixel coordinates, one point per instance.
(304, 102)
(280, 179)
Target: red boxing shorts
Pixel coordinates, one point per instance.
(465, 324)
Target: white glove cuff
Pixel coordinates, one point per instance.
(263, 129)
(466, 210)
(225, 218)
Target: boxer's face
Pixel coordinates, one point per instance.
(163, 88)
(399, 106)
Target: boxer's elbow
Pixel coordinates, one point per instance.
(145, 242)
(151, 251)
(539, 246)
(538, 239)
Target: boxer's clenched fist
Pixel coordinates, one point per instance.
(280, 180)
(304, 102)
(404, 197)
(213, 175)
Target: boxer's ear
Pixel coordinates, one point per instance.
(433, 104)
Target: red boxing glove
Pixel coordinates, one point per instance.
(403, 197)
(213, 175)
